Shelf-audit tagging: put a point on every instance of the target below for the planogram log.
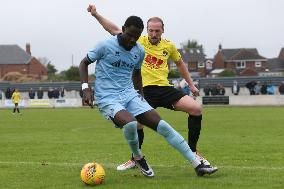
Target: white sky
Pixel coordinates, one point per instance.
(58, 29)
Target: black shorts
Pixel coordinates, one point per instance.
(162, 96)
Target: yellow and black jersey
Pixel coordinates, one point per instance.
(16, 97)
(155, 67)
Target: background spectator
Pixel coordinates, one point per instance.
(62, 91)
(184, 87)
(270, 89)
(50, 93)
(207, 89)
(257, 88)
(1, 94)
(56, 93)
(8, 93)
(250, 85)
(196, 83)
(214, 90)
(221, 90)
(235, 88)
(16, 98)
(186, 90)
(281, 88)
(31, 93)
(263, 88)
(40, 93)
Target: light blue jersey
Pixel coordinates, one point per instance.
(114, 88)
(114, 67)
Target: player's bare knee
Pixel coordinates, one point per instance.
(196, 109)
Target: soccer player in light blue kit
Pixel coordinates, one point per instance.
(118, 77)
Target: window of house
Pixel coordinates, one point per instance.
(209, 65)
(257, 64)
(200, 64)
(241, 64)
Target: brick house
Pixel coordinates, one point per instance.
(194, 59)
(275, 66)
(15, 59)
(243, 61)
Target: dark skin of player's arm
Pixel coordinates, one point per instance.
(87, 93)
(137, 81)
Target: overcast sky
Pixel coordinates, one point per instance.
(58, 29)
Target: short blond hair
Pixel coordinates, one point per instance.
(156, 19)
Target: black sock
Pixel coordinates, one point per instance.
(14, 110)
(18, 110)
(194, 128)
(140, 133)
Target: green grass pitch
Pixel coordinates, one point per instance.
(46, 148)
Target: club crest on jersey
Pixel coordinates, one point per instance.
(165, 53)
(117, 53)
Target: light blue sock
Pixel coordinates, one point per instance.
(177, 141)
(130, 134)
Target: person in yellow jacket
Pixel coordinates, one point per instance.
(16, 97)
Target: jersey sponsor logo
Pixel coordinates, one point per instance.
(153, 62)
(122, 64)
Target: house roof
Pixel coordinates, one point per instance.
(241, 54)
(13, 54)
(275, 64)
(281, 54)
(192, 55)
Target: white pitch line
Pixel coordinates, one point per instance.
(112, 165)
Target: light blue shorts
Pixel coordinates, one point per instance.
(131, 101)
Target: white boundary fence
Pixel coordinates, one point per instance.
(43, 103)
(252, 100)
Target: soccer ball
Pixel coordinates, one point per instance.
(92, 174)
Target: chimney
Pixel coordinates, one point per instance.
(220, 46)
(28, 48)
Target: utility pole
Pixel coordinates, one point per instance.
(72, 60)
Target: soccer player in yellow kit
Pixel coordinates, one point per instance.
(16, 97)
(156, 87)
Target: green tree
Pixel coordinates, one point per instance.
(191, 44)
(60, 76)
(51, 70)
(72, 74)
(227, 73)
(174, 74)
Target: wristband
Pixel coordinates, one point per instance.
(85, 86)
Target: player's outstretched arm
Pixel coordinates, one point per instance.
(186, 75)
(109, 26)
(87, 92)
